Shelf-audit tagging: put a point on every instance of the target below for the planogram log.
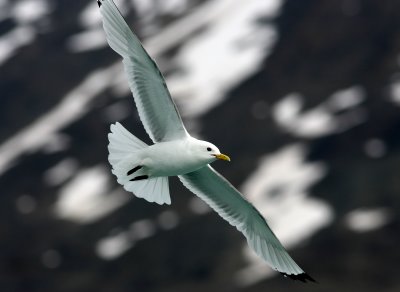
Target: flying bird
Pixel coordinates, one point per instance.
(144, 169)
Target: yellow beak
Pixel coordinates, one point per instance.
(223, 157)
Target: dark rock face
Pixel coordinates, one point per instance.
(323, 46)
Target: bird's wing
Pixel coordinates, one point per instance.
(227, 201)
(156, 108)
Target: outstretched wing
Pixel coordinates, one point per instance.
(217, 192)
(156, 108)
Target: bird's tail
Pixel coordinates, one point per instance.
(123, 156)
(122, 143)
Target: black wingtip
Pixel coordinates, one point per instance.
(99, 3)
(304, 277)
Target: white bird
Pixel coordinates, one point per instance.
(144, 170)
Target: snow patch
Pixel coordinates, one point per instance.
(113, 246)
(87, 197)
(116, 245)
(340, 112)
(365, 220)
(86, 41)
(168, 220)
(142, 229)
(62, 171)
(231, 47)
(29, 11)
(90, 16)
(198, 206)
(13, 40)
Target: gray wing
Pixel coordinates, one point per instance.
(156, 108)
(221, 196)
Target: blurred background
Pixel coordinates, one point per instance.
(303, 95)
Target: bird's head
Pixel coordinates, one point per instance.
(209, 152)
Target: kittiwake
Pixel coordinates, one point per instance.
(144, 170)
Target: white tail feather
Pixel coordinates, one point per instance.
(124, 149)
(152, 190)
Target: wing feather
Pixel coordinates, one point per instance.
(156, 108)
(220, 195)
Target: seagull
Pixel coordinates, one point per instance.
(144, 169)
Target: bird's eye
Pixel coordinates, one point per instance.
(208, 149)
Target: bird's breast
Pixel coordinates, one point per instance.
(170, 159)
